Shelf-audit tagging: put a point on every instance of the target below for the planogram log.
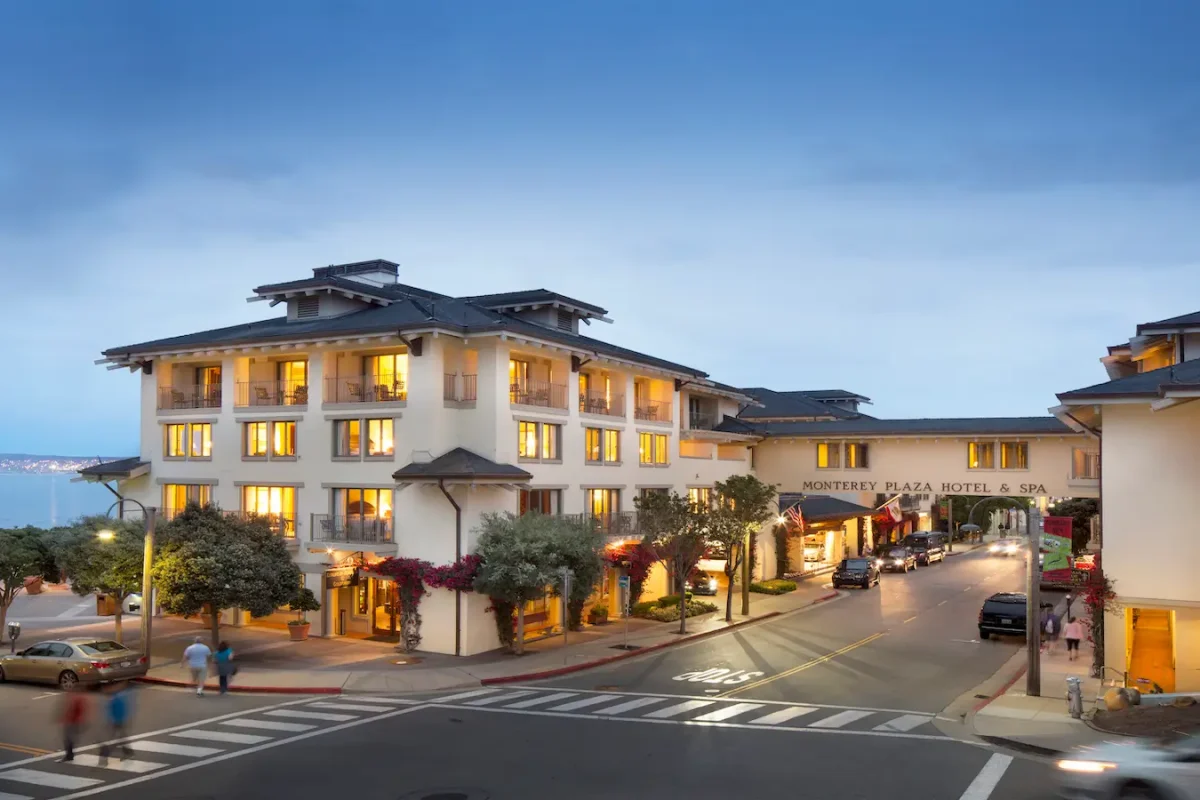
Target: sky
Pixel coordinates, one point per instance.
(949, 207)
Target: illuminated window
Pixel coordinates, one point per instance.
(176, 496)
(612, 446)
(538, 440)
(283, 440)
(645, 448)
(550, 434)
(541, 501)
(602, 502)
(387, 375)
(700, 497)
(981, 455)
(829, 455)
(527, 439)
(370, 503)
(347, 440)
(293, 382)
(602, 445)
(256, 439)
(176, 441)
(1085, 463)
(380, 439)
(856, 455)
(277, 503)
(1014, 455)
(201, 440)
(592, 444)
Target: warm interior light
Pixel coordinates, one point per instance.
(328, 551)
(105, 535)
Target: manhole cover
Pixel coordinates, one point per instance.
(457, 793)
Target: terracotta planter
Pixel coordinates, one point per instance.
(299, 631)
(33, 585)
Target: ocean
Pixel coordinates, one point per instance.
(48, 499)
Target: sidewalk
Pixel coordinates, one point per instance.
(269, 662)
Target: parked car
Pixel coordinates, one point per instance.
(67, 662)
(927, 553)
(701, 582)
(1145, 769)
(856, 572)
(1004, 547)
(1003, 613)
(897, 559)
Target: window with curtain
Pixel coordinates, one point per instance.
(527, 439)
(389, 370)
(829, 455)
(612, 446)
(856, 455)
(602, 502)
(347, 440)
(176, 441)
(283, 438)
(372, 503)
(292, 374)
(201, 440)
(380, 438)
(542, 501)
(1014, 455)
(980, 455)
(276, 502)
(550, 434)
(700, 497)
(176, 496)
(256, 439)
(593, 444)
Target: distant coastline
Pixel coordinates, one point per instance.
(26, 464)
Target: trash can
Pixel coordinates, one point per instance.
(106, 605)
(1074, 697)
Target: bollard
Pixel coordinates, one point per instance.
(1074, 697)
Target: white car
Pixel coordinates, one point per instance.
(1004, 547)
(1149, 771)
(133, 604)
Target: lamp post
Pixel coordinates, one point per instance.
(149, 514)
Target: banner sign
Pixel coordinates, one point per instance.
(1056, 544)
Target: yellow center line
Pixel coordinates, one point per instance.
(910, 619)
(814, 662)
(20, 748)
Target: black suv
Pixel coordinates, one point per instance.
(928, 547)
(896, 558)
(856, 572)
(1003, 613)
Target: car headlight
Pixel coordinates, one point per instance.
(712, 583)
(879, 562)
(1091, 767)
(898, 561)
(994, 548)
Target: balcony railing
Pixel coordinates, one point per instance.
(272, 393)
(365, 389)
(189, 396)
(617, 523)
(282, 524)
(703, 421)
(538, 393)
(612, 405)
(654, 410)
(459, 388)
(351, 529)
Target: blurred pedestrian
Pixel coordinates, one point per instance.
(226, 669)
(196, 656)
(118, 711)
(74, 717)
(1073, 631)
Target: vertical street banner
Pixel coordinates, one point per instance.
(1056, 545)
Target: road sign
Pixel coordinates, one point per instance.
(623, 581)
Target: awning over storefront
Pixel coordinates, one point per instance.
(823, 508)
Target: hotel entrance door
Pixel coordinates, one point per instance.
(384, 615)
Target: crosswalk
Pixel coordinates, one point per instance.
(167, 751)
(677, 708)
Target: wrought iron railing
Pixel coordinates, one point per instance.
(365, 389)
(271, 393)
(204, 396)
(538, 393)
(352, 529)
(653, 410)
(616, 523)
(612, 405)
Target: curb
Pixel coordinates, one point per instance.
(1021, 747)
(243, 689)
(1007, 685)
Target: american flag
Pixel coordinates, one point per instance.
(795, 516)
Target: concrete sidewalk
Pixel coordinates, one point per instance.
(269, 662)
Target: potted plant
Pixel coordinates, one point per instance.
(598, 615)
(304, 602)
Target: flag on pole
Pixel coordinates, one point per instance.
(795, 516)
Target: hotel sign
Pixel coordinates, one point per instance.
(926, 487)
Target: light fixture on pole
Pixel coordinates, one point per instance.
(149, 515)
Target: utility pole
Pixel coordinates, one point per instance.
(1033, 608)
(949, 523)
(148, 583)
(746, 576)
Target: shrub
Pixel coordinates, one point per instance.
(776, 586)
(598, 615)
(668, 600)
(640, 609)
(671, 613)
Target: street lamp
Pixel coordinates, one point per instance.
(149, 514)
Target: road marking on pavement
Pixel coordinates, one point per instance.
(968, 588)
(349, 707)
(7, 796)
(456, 697)
(394, 701)
(903, 723)
(985, 782)
(629, 706)
(20, 748)
(267, 725)
(190, 750)
(910, 619)
(321, 715)
(728, 712)
(840, 720)
(783, 715)
(48, 779)
(943, 603)
(221, 736)
(587, 701)
(117, 764)
(546, 698)
(676, 710)
(483, 701)
(806, 665)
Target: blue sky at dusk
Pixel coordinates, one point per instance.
(951, 207)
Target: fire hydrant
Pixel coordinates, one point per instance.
(1074, 697)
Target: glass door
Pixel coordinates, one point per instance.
(293, 382)
(384, 620)
(208, 384)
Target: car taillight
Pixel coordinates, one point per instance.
(142, 660)
(101, 664)
(981, 615)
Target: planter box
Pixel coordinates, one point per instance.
(299, 633)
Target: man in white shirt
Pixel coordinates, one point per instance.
(196, 656)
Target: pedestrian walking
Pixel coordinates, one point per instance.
(117, 710)
(74, 717)
(226, 669)
(197, 656)
(1073, 631)
(1052, 628)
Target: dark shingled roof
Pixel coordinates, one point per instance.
(1146, 384)
(831, 394)
(531, 297)
(866, 426)
(111, 470)
(790, 404)
(1191, 320)
(460, 464)
(392, 291)
(823, 508)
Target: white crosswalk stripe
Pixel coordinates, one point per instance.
(220, 736)
(321, 715)
(50, 780)
(903, 723)
(840, 720)
(349, 707)
(727, 712)
(7, 796)
(682, 708)
(783, 715)
(269, 725)
(594, 700)
(117, 764)
(546, 698)
(389, 701)
(483, 701)
(628, 706)
(454, 698)
(189, 750)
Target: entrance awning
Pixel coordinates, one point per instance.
(461, 466)
(823, 508)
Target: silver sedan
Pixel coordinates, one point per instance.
(1149, 771)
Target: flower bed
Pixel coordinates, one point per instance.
(777, 586)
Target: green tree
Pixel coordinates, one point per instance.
(677, 534)
(519, 561)
(111, 566)
(22, 555)
(209, 562)
(577, 546)
(1080, 510)
(743, 505)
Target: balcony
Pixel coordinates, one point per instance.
(703, 421)
(353, 529)
(283, 525)
(538, 393)
(653, 410)
(459, 388)
(611, 405)
(365, 389)
(254, 394)
(172, 397)
(621, 524)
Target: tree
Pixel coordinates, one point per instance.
(21, 556)
(209, 562)
(112, 566)
(1080, 510)
(577, 547)
(518, 564)
(1099, 597)
(743, 504)
(677, 534)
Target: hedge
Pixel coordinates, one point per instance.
(671, 613)
(776, 586)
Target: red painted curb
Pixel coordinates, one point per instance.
(823, 598)
(245, 689)
(1008, 685)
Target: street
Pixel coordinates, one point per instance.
(839, 701)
